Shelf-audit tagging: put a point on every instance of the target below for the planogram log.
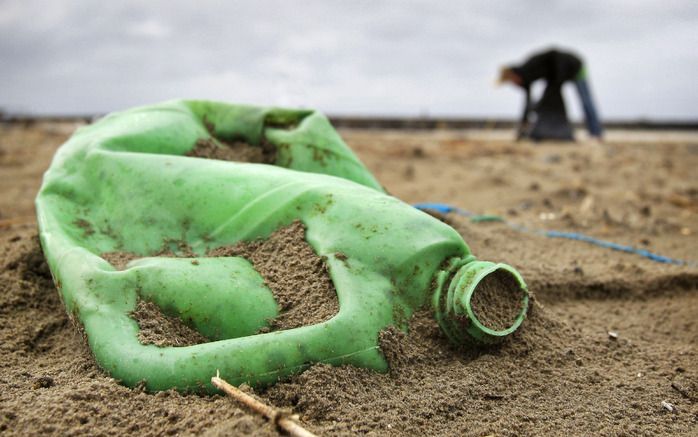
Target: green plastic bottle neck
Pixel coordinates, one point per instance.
(454, 289)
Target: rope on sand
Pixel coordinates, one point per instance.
(445, 209)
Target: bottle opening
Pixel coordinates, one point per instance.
(498, 300)
(479, 301)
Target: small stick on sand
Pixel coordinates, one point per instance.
(280, 419)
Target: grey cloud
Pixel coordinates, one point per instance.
(370, 57)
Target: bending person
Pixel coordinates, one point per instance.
(547, 118)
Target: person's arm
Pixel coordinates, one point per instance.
(523, 124)
(536, 67)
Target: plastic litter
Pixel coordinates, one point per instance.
(124, 184)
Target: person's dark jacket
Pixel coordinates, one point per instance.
(554, 66)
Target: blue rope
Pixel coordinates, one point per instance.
(445, 209)
(614, 246)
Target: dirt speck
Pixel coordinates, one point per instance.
(86, 226)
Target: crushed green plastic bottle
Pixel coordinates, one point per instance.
(123, 184)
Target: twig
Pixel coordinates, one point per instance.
(280, 419)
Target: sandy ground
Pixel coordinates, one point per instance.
(563, 373)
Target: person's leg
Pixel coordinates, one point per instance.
(591, 116)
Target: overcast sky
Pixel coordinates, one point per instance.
(349, 57)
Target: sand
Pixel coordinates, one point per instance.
(232, 149)
(159, 329)
(50, 383)
(497, 301)
(297, 277)
(611, 340)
